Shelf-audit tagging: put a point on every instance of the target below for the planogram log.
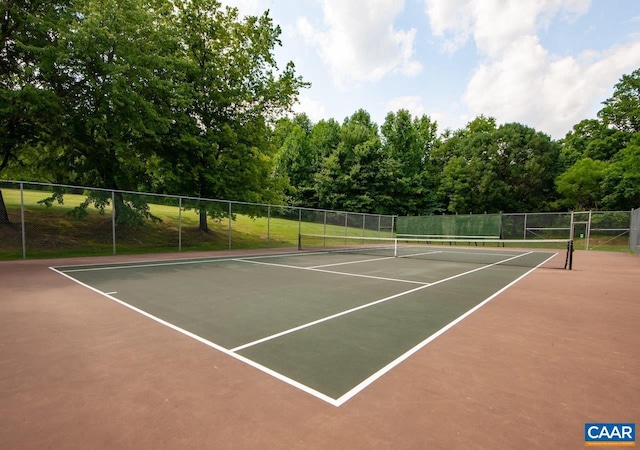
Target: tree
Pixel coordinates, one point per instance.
(231, 88)
(298, 159)
(593, 139)
(611, 140)
(28, 30)
(498, 169)
(355, 175)
(465, 183)
(581, 185)
(622, 110)
(408, 143)
(111, 74)
(528, 163)
(621, 180)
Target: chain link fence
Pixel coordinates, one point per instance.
(50, 220)
(590, 230)
(634, 232)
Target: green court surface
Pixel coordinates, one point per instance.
(327, 323)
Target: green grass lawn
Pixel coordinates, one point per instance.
(54, 232)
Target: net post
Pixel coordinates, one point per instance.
(571, 254)
(568, 262)
(395, 247)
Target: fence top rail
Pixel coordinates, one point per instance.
(444, 236)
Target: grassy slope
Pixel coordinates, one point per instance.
(52, 231)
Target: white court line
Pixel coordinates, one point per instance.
(351, 262)
(348, 395)
(358, 308)
(204, 341)
(346, 274)
(365, 383)
(413, 255)
(91, 267)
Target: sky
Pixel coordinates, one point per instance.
(547, 64)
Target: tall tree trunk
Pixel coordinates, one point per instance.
(119, 206)
(4, 215)
(204, 227)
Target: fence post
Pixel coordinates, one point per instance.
(346, 223)
(571, 228)
(113, 220)
(23, 235)
(324, 229)
(588, 231)
(179, 224)
(230, 231)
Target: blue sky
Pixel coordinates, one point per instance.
(545, 63)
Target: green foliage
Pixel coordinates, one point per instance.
(355, 175)
(621, 183)
(407, 145)
(601, 158)
(218, 146)
(187, 97)
(297, 159)
(622, 111)
(506, 169)
(580, 186)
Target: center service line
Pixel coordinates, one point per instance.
(349, 311)
(346, 274)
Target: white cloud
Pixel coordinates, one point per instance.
(360, 43)
(449, 118)
(519, 80)
(527, 84)
(412, 103)
(494, 24)
(247, 7)
(314, 109)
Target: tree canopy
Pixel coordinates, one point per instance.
(163, 95)
(186, 97)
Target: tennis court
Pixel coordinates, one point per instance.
(327, 322)
(554, 350)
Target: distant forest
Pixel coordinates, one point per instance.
(186, 98)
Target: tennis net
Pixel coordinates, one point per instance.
(557, 253)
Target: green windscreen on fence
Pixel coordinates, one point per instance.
(473, 225)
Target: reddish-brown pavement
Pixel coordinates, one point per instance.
(526, 371)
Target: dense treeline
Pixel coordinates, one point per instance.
(185, 97)
(407, 167)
